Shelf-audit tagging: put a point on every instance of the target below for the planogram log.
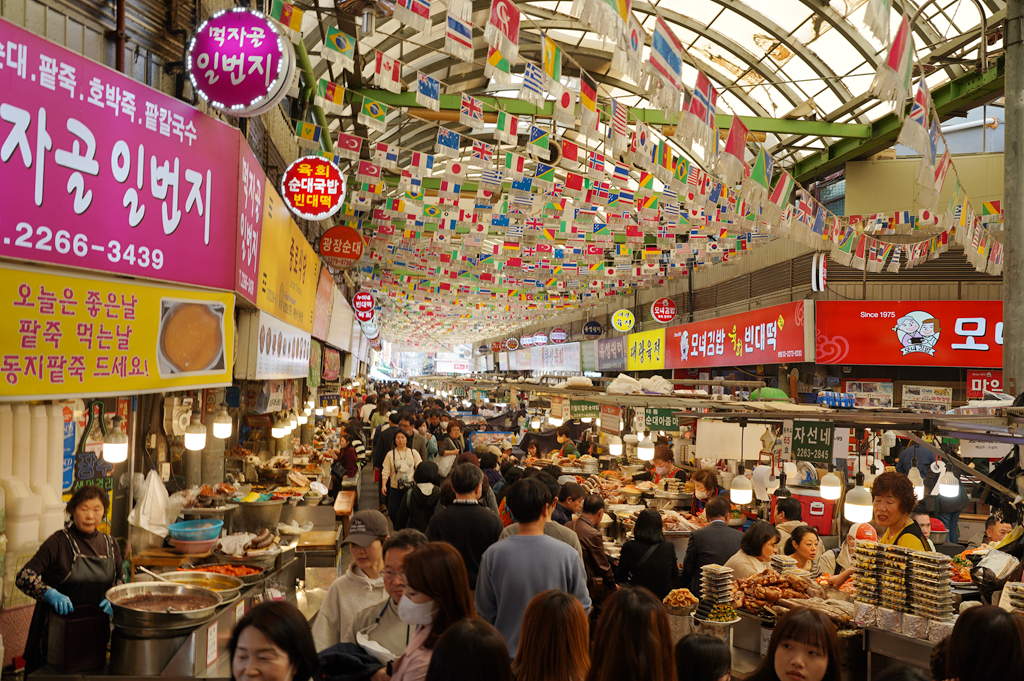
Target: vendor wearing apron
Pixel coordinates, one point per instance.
(74, 567)
(664, 467)
(892, 496)
(566, 446)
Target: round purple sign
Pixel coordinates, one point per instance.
(237, 60)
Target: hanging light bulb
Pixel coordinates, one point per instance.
(615, 446)
(831, 486)
(586, 419)
(293, 420)
(645, 450)
(555, 422)
(280, 428)
(916, 479)
(115, 443)
(535, 422)
(303, 418)
(319, 411)
(949, 484)
(195, 434)
(740, 490)
(222, 423)
(782, 491)
(308, 410)
(858, 506)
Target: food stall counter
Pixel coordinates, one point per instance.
(889, 646)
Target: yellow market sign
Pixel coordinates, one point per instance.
(623, 320)
(645, 351)
(289, 267)
(85, 336)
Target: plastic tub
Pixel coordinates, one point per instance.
(193, 548)
(196, 530)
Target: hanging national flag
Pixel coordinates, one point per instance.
(595, 165)
(699, 122)
(573, 185)
(551, 58)
(645, 146)
(605, 17)
(914, 133)
(514, 165)
(665, 68)
(308, 134)
(533, 85)
(620, 175)
(502, 30)
(348, 146)
(340, 48)
(455, 171)
(373, 114)
(663, 164)
(538, 145)
(929, 196)
(892, 79)
(491, 179)
(755, 187)
(564, 105)
(730, 162)
(876, 18)
(458, 38)
(386, 155)
(497, 67)
(428, 91)
(483, 154)
(329, 96)
(414, 13)
(779, 198)
(388, 73)
(421, 164)
(288, 18)
(368, 172)
(508, 128)
(545, 173)
(471, 112)
(620, 126)
(447, 143)
(588, 96)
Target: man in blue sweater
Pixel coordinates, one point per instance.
(519, 567)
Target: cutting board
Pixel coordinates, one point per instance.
(316, 541)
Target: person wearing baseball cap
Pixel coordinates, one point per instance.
(839, 561)
(361, 586)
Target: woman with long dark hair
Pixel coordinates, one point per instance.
(273, 643)
(803, 647)
(648, 560)
(633, 639)
(554, 639)
(470, 650)
(700, 657)
(987, 644)
(436, 597)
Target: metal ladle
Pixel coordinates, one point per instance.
(153, 574)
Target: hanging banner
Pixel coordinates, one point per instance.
(130, 181)
(611, 419)
(611, 354)
(870, 393)
(250, 222)
(928, 398)
(812, 441)
(646, 351)
(556, 407)
(89, 336)
(316, 353)
(588, 356)
(769, 335)
(561, 357)
(289, 267)
(953, 333)
(582, 409)
(269, 348)
(324, 304)
(332, 364)
(655, 419)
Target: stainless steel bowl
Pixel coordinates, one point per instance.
(129, 617)
(226, 585)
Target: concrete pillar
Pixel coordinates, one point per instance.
(1013, 194)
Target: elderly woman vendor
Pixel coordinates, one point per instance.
(74, 567)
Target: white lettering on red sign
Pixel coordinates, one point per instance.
(663, 310)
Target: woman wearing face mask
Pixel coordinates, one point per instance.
(273, 643)
(73, 567)
(664, 467)
(705, 487)
(803, 647)
(803, 545)
(436, 597)
(428, 438)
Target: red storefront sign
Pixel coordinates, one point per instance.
(558, 335)
(512, 344)
(781, 333)
(313, 188)
(980, 381)
(341, 247)
(363, 304)
(949, 333)
(611, 417)
(663, 310)
(495, 346)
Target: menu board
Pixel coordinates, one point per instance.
(85, 336)
(270, 348)
(870, 394)
(289, 267)
(932, 399)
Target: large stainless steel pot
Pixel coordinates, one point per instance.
(256, 516)
(226, 585)
(143, 619)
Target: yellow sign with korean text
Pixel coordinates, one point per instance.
(289, 267)
(84, 336)
(645, 351)
(623, 320)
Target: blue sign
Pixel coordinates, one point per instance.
(593, 329)
(483, 349)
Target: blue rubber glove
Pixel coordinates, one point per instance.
(106, 607)
(58, 601)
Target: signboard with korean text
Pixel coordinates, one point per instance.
(289, 267)
(868, 394)
(341, 247)
(316, 359)
(593, 329)
(339, 333)
(561, 357)
(769, 335)
(105, 174)
(313, 187)
(332, 364)
(556, 406)
(978, 449)
(588, 356)
(324, 304)
(623, 320)
(655, 419)
(645, 351)
(269, 348)
(980, 381)
(812, 441)
(89, 336)
(582, 409)
(537, 359)
(364, 306)
(558, 335)
(932, 399)
(250, 222)
(611, 354)
(663, 310)
(503, 361)
(953, 333)
(611, 419)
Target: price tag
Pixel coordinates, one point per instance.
(239, 610)
(211, 644)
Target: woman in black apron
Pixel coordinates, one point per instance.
(74, 567)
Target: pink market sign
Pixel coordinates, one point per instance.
(253, 183)
(239, 63)
(109, 175)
